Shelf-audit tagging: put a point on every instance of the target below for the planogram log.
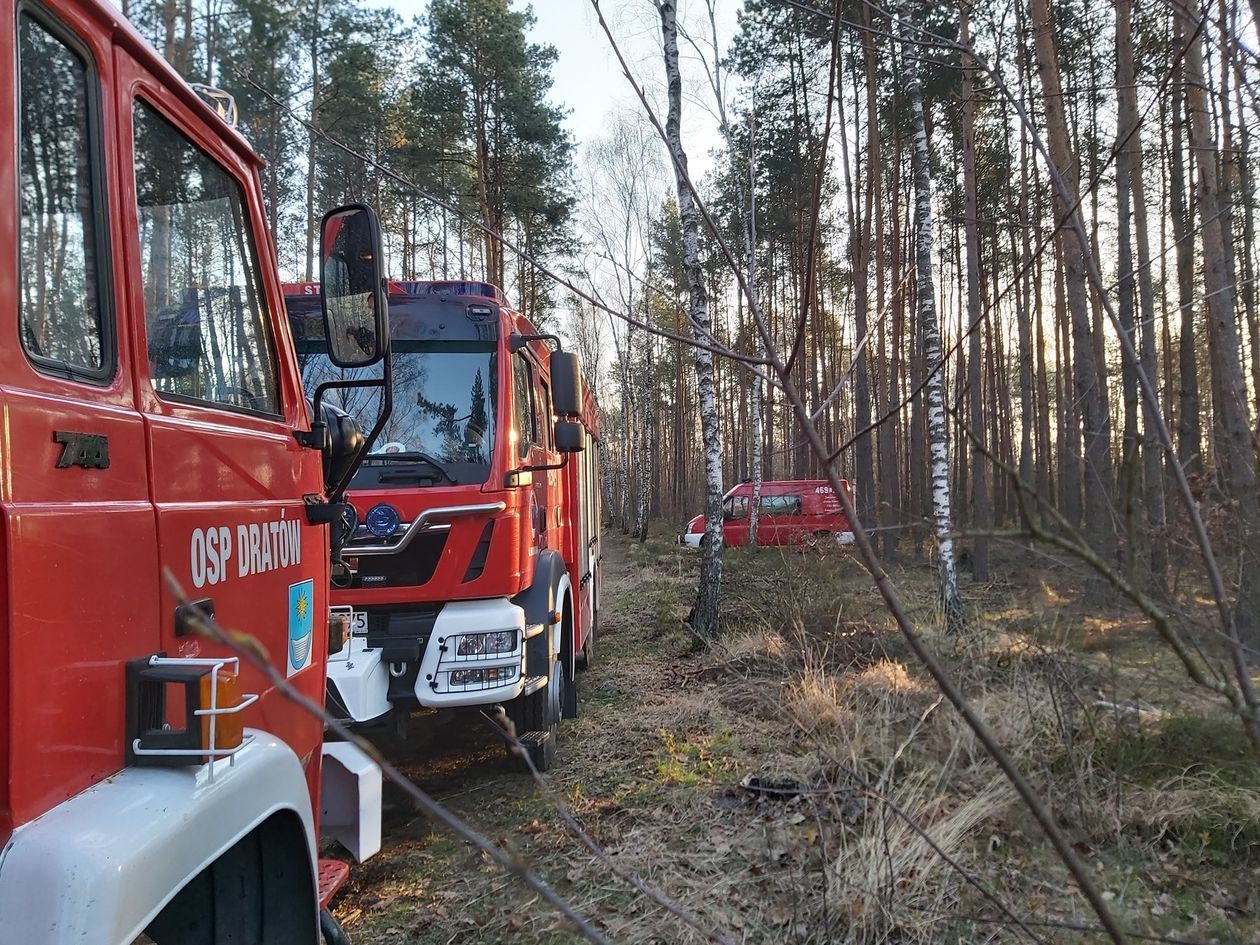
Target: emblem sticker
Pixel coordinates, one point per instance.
(301, 624)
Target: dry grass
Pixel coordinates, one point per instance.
(760, 783)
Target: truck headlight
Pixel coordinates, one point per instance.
(468, 677)
(486, 644)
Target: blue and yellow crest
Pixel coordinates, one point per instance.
(301, 624)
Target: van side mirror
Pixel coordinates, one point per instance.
(352, 286)
(569, 438)
(566, 384)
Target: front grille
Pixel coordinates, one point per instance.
(411, 567)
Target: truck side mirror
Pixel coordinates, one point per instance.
(569, 437)
(352, 286)
(566, 384)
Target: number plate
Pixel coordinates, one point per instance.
(358, 621)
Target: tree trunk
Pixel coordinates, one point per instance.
(705, 613)
(981, 507)
(929, 329)
(1189, 426)
(1090, 387)
(1236, 471)
(755, 405)
(311, 149)
(887, 515)
(1155, 537)
(1128, 370)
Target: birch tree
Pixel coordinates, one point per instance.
(704, 615)
(930, 332)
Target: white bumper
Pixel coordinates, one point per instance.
(98, 867)
(361, 678)
(690, 539)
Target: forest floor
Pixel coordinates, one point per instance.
(781, 786)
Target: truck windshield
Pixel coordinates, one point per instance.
(442, 426)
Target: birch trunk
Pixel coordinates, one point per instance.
(929, 328)
(704, 615)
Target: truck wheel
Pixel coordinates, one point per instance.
(586, 656)
(331, 929)
(536, 718)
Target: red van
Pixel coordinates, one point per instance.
(791, 512)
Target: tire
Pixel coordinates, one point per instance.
(585, 658)
(540, 712)
(331, 930)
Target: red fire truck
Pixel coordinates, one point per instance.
(471, 569)
(152, 786)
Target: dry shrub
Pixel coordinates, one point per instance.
(852, 719)
(890, 881)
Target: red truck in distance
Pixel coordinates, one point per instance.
(155, 424)
(791, 512)
(470, 566)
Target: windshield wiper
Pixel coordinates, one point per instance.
(412, 457)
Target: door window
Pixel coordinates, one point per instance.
(209, 335)
(60, 297)
(523, 395)
(544, 413)
(736, 506)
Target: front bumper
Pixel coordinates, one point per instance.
(359, 677)
(690, 539)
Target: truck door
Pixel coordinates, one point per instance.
(79, 549)
(228, 477)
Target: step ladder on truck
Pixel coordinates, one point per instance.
(160, 462)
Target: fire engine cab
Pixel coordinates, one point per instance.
(159, 464)
(470, 567)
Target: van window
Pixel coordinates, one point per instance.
(780, 505)
(209, 335)
(523, 395)
(736, 506)
(59, 285)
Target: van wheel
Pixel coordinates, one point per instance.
(536, 718)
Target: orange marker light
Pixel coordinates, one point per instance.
(229, 730)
